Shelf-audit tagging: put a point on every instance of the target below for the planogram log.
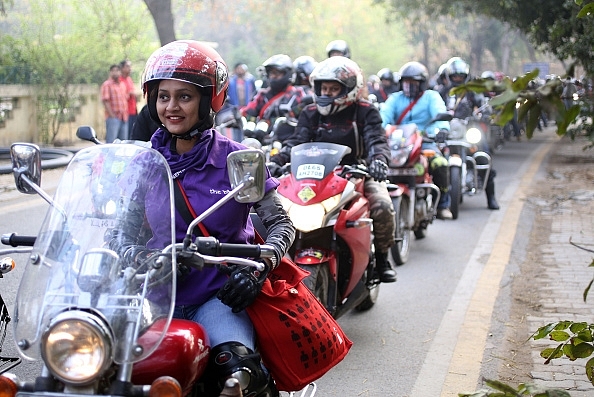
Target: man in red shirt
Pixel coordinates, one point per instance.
(126, 68)
(114, 95)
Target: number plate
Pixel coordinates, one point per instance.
(402, 171)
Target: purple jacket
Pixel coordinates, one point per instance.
(204, 176)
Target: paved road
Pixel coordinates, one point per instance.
(446, 322)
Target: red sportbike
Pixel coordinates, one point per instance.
(334, 231)
(415, 202)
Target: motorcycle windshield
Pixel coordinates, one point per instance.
(316, 160)
(399, 137)
(75, 265)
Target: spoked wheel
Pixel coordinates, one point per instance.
(317, 281)
(401, 248)
(455, 190)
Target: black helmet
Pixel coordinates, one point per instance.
(339, 46)
(303, 65)
(282, 63)
(386, 74)
(457, 67)
(414, 71)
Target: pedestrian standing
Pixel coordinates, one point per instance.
(126, 69)
(114, 96)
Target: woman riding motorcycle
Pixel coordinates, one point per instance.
(186, 82)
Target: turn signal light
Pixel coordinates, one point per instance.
(165, 386)
(8, 387)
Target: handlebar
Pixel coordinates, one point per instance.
(14, 240)
(211, 246)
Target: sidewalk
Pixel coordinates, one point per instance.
(553, 273)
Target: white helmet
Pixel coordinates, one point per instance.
(343, 71)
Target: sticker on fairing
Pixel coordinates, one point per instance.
(310, 171)
(306, 194)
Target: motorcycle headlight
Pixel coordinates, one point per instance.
(310, 217)
(473, 135)
(399, 156)
(77, 347)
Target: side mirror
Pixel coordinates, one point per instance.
(26, 166)
(87, 133)
(247, 167)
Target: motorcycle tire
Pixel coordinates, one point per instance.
(370, 299)
(318, 281)
(402, 233)
(455, 190)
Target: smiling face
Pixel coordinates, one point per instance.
(177, 105)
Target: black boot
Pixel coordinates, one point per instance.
(384, 268)
(490, 191)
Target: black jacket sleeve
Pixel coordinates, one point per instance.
(374, 135)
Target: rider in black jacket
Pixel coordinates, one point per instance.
(340, 116)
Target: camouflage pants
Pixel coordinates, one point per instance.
(382, 213)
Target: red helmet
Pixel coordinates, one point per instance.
(192, 62)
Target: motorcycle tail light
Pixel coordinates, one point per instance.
(428, 153)
(8, 386)
(473, 135)
(77, 347)
(165, 386)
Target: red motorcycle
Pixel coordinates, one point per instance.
(99, 324)
(331, 214)
(415, 202)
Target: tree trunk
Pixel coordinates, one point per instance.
(163, 17)
(506, 43)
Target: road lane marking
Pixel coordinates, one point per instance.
(454, 359)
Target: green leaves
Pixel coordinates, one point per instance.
(576, 342)
(529, 102)
(587, 10)
(503, 390)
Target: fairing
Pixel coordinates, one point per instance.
(71, 267)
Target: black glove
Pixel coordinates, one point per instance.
(441, 136)
(274, 168)
(137, 255)
(378, 170)
(243, 286)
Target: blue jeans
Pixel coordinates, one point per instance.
(115, 129)
(220, 323)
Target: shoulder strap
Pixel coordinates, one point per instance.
(408, 108)
(270, 102)
(182, 204)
